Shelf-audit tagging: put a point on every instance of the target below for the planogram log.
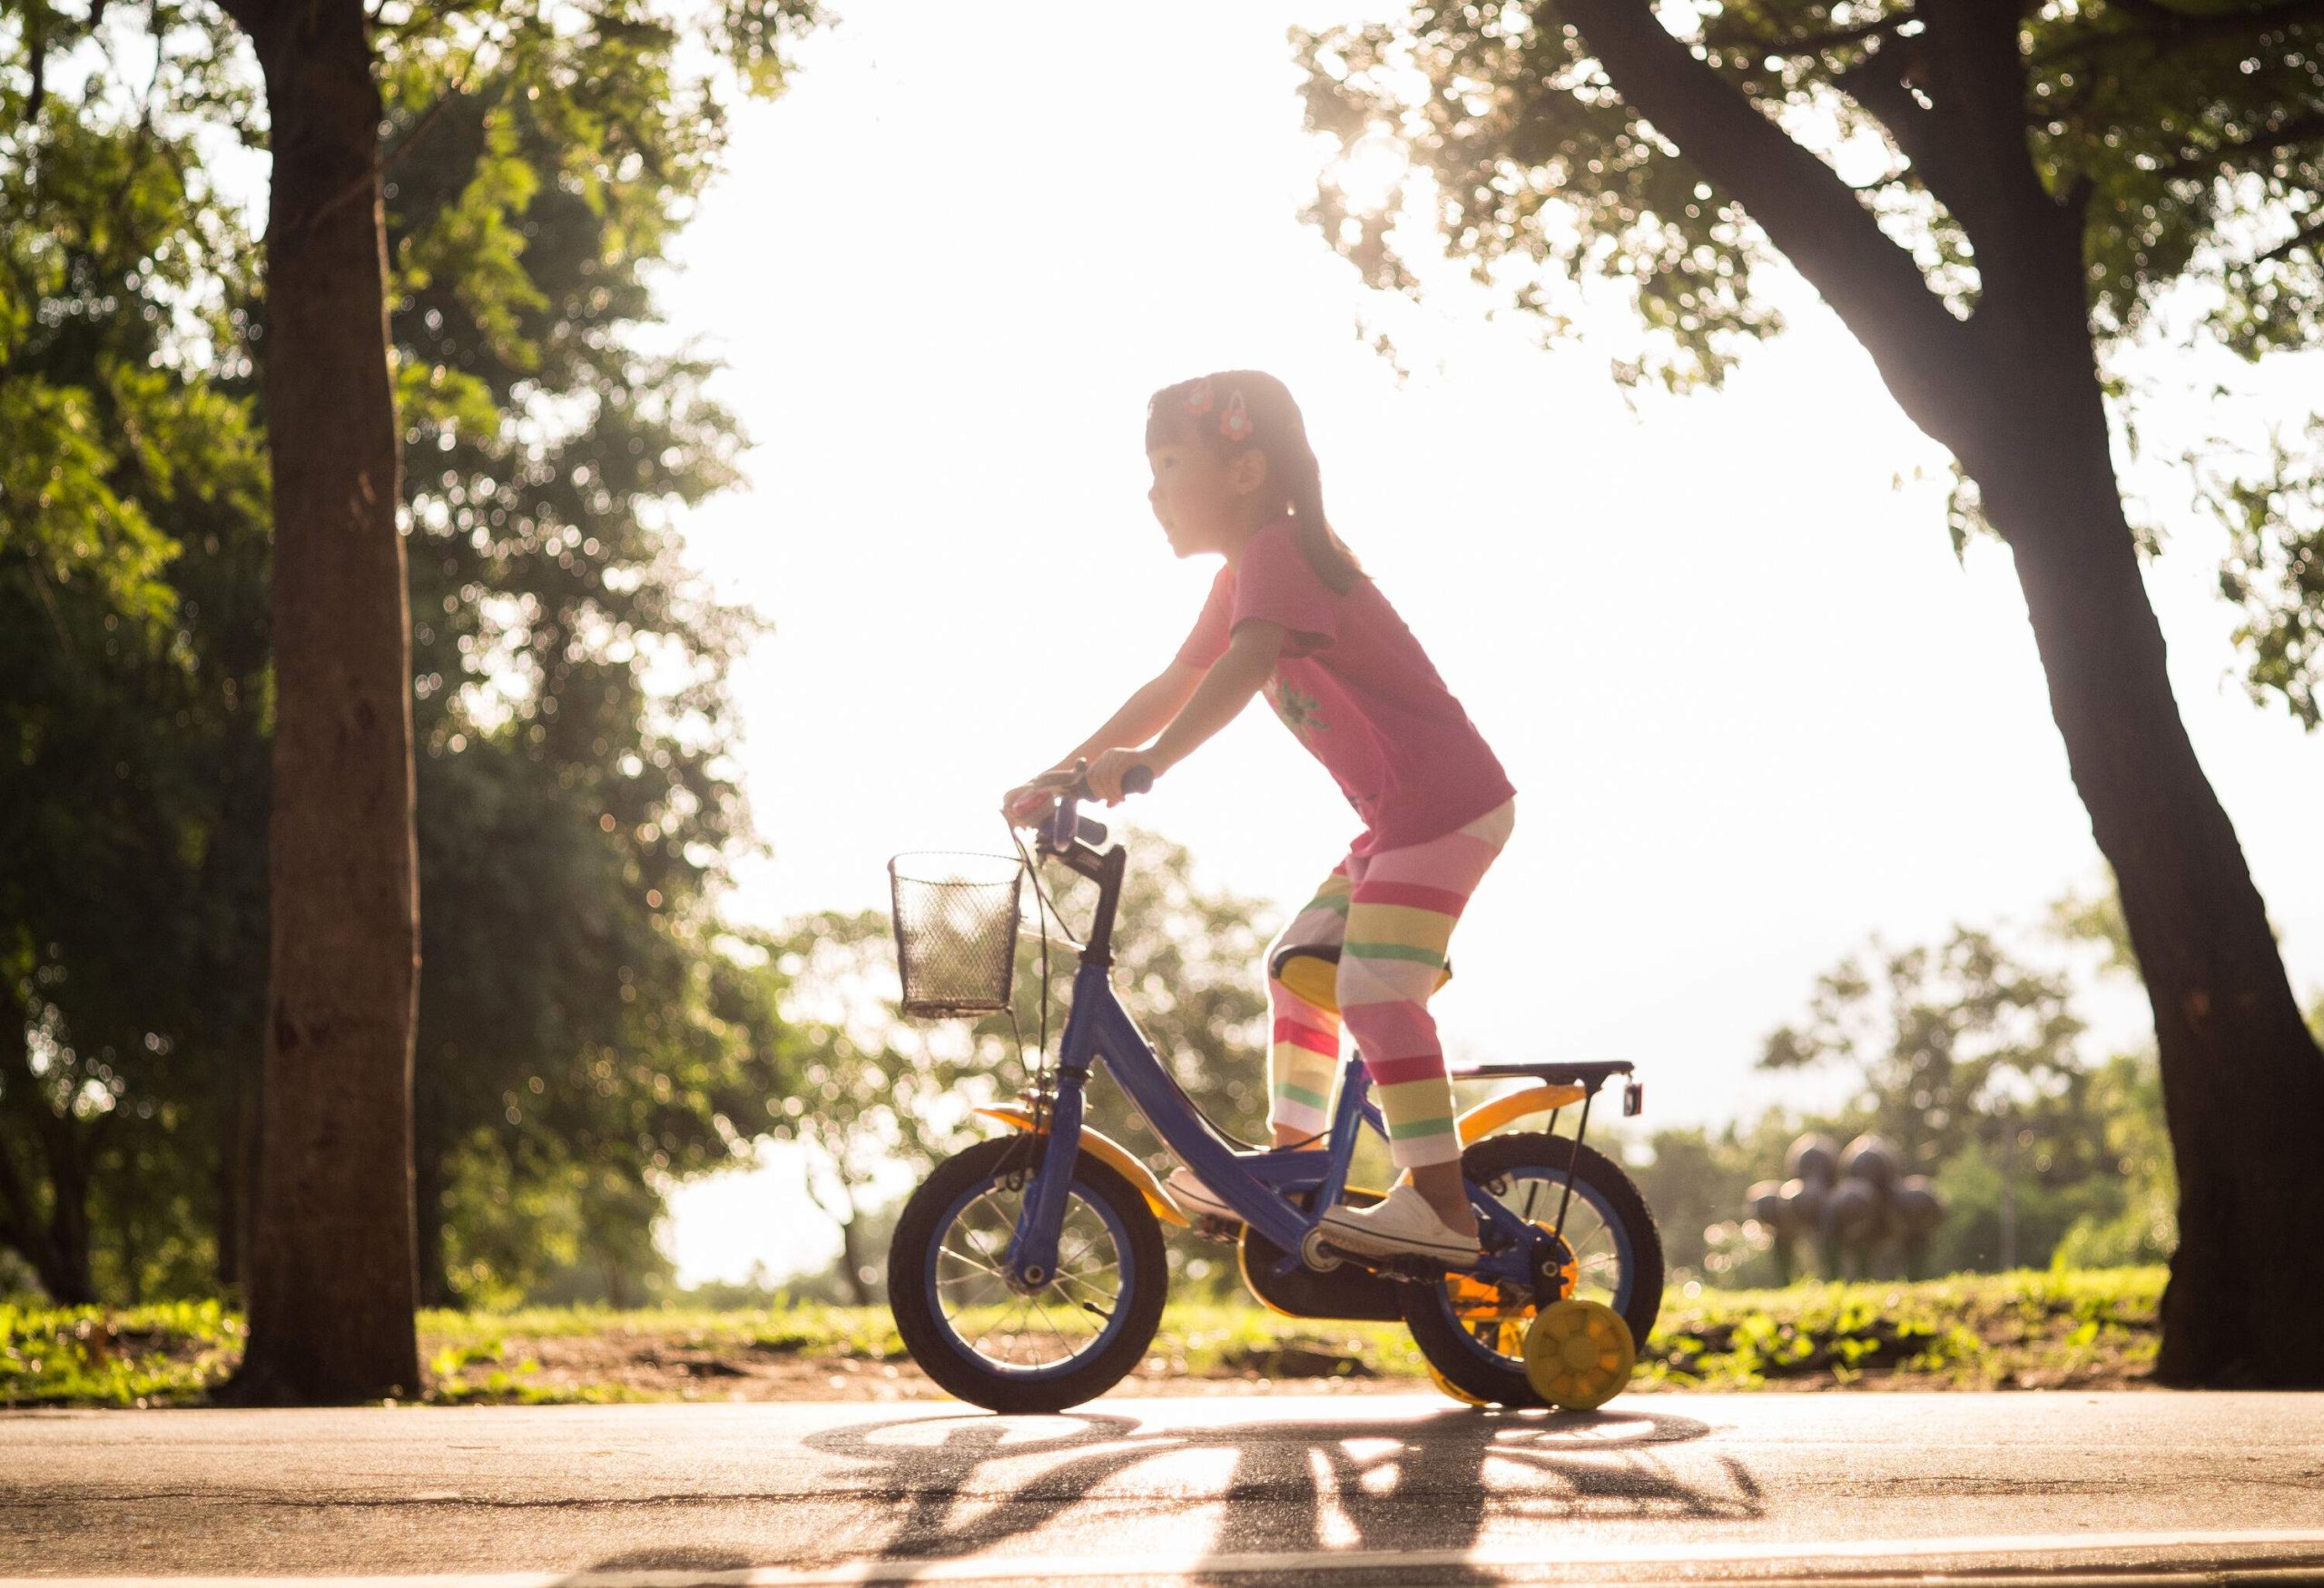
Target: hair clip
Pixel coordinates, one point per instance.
(1234, 424)
(1198, 400)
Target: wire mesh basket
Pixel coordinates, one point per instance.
(956, 930)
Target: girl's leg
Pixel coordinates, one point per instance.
(1399, 922)
(1304, 1054)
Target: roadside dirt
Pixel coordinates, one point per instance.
(666, 1369)
(645, 1368)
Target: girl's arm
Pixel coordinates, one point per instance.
(1225, 690)
(1146, 713)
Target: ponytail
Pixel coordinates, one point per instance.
(1244, 411)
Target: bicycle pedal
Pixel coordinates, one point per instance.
(1210, 1226)
(1387, 1266)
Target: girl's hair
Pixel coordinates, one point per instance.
(1243, 410)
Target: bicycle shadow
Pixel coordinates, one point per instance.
(1342, 1485)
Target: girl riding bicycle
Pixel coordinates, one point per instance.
(1293, 615)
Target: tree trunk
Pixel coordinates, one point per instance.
(61, 1266)
(851, 1259)
(55, 1247)
(70, 1148)
(2242, 1080)
(332, 1276)
(2014, 393)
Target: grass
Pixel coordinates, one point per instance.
(2030, 1330)
(132, 1357)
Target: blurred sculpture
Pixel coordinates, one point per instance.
(1854, 1203)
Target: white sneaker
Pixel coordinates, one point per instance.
(1192, 1195)
(1401, 1224)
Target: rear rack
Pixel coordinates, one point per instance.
(1590, 1074)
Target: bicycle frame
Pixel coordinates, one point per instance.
(1099, 1030)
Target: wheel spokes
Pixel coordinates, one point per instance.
(1047, 1328)
(1593, 1260)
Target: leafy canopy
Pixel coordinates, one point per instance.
(2183, 142)
(585, 1031)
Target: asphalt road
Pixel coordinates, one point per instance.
(1349, 1490)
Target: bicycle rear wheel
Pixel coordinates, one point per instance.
(1013, 1351)
(1473, 1333)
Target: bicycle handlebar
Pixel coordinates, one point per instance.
(1068, 823)
(1138, 779)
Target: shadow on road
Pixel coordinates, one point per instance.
(681, 1558)
(964, 1484)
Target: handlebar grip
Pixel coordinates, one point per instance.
(1138, 780)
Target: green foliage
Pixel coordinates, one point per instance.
(2182, 130)
(94, 192)
(1693, 1178)
(2184, 143)
(584, 1032)
(2272, 508)
(84, 1356)
(2031, 1330)
(1970, 1060)
(581, 1030)
(873, 1099)
(131, 504)
(1945, 1039)
(2126, 1097)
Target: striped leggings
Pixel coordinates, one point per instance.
(1391, 914)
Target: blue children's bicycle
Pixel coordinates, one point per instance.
(1028, 1275)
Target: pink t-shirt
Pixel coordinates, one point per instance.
(1359, 692)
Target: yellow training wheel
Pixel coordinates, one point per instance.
(1579, 1355)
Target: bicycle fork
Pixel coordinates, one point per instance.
(1031, 1261)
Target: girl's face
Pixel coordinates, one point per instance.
(1204, 502)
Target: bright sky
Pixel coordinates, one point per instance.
(1755, 710)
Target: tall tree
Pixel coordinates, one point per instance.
(334, 1270)
(334, 1279)
(586, 1031)
(1991, 196)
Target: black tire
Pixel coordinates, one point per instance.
(981, 1177)
(1605, 1198)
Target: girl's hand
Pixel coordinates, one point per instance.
(1106, 773)
(1029, 803)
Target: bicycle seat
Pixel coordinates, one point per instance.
(1312, 971)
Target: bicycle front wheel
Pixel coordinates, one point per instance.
(1608, 1250)
(1016, 1351)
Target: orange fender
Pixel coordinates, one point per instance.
(1489, 1116)
(1114, 1155)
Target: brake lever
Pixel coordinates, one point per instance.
(1065, 822)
